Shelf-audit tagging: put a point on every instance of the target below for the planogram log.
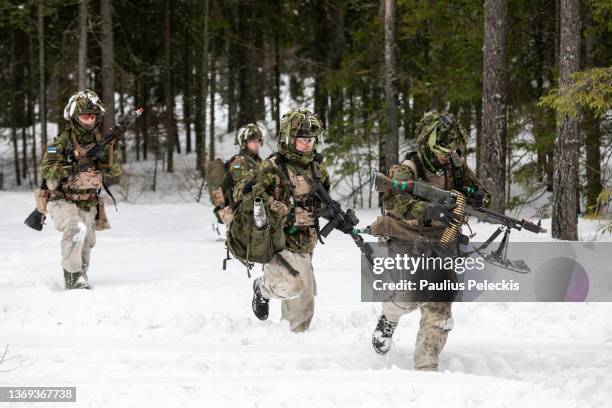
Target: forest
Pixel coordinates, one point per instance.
(530, 79)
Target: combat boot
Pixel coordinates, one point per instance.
(261, 305)
(75, 280)
(381, 339)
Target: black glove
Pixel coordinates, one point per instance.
(476, 199)
(440, 212)
(124, 121)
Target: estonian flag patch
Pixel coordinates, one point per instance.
(52, 149)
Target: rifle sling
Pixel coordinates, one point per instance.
(109, 193)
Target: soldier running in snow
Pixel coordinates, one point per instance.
(288, 177)
(440, 161)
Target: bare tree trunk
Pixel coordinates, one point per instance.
(493, 154)
(202, 94)
(478, 122)
(277, 76)
(187, 95)
(337, 11)
(123, 140)
(30, 96)
(13, 93)
(392, 145)
(213, 90)
(42, 99)
(24, 149)
(108, 57)
(168, 97)
(137, 103)
(82, 68)
(565, 204)
(247, 110)
(200, 104)
(144, 122)
(232, 112)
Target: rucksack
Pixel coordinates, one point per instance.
(218, 175)
(250, 244)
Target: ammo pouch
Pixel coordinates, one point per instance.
(85, 180)
(257, 245)
(101, 218)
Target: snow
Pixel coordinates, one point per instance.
(165, 326)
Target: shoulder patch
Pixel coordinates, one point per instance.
(52, 149)
(236, 165)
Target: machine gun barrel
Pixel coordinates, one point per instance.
(425, 191)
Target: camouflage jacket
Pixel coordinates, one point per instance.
(60, 163)
(270, 178)
(241, 168)
(407, 208)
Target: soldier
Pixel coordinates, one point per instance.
(74, 182)
(439, 160)
(240, 168)
(287, 176)
(242, 165)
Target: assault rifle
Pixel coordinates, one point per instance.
(96, 152)
(339, 219)
(425, 191)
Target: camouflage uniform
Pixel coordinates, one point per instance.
(289, 276)
(74, 183)
(436, 317)
(241, 168)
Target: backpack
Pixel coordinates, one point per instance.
(218, 176)
(250, 244)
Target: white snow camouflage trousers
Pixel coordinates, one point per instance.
(79, 237)
(295, 285)
(436, 322)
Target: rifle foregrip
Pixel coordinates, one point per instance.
(328, 228)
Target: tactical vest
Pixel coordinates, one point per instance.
(300, 193)
(444, 181)
(91, 179)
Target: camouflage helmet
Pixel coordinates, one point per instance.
(247, 133)
(300, 123)
(86, 101)
(440, 134)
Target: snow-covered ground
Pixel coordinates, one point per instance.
(165, 326)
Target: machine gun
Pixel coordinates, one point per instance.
(339, 219)
(427, 192)
(96, 152)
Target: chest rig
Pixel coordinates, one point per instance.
(449, 178)
(79, 152)
(298, 183)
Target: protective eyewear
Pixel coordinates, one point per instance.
(306, 140)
